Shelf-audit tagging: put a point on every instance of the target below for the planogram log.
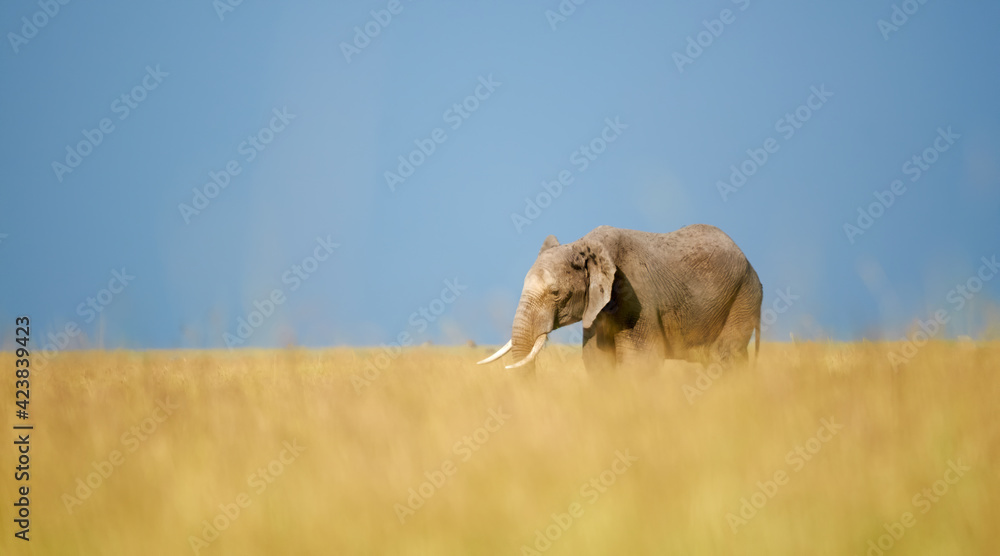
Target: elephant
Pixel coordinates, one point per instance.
(643, 297)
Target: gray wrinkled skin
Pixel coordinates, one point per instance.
(643, 297)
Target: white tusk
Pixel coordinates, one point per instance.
(534, 351)
(498, 354)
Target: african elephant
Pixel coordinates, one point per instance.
(643, 297)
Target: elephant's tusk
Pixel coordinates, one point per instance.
(534, 351)
(498, 354)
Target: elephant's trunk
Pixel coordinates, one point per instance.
(532, 322)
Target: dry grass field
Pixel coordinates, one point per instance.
(820, 449)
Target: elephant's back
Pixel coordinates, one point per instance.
(698, 245)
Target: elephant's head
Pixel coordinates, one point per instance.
(567, 284)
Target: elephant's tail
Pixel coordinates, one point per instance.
(756, 342)
(756, 330)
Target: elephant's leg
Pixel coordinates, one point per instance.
(598, 347)
(641, 347)
(730, 347)
(728, 352)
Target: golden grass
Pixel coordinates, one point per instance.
(364, 450)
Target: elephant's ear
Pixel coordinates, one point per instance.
(601, 274)
(549, 243)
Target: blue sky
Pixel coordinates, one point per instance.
(198, 86)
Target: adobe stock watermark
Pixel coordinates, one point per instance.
(438, 478)
(419, 321)
(364, 34)
(88, 309)
(581, 160)
(898, 17)
(787, 126)
(456, 115)
(714, 28)
(259, 481)
(590, 491)
(924, 500)
(223, 7)
(123, 106)
(915, 167)
(48, 10)
(130, 441)
(293, 277)
(250, 148)
(958, 297)
(565, 9)
(783, 301)
(797, 459)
